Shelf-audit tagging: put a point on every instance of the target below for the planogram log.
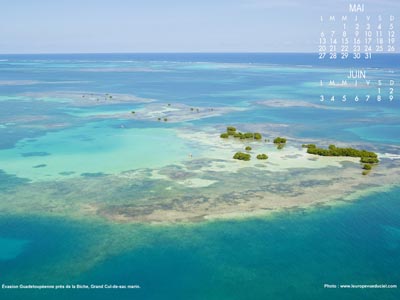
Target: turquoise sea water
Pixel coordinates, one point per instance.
(51, 134)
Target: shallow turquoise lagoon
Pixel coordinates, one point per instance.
(93, 148)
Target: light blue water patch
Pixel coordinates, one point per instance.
(102, 110)
(13, 98)
(11, 248)
(106, 147)
(378, 133)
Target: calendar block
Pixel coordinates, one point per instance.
(352, 41)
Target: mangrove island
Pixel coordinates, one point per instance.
(367, 157)
(242, 156)
(262, 156)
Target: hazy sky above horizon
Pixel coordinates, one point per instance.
(45, 26)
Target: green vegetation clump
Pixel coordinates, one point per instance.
(367, 167)
(159, 119)
(257, 136)
(366, 157)
(336, 151)
(309, 146)
(369, 160)
(242, 156)
(224, 135)
(279, 140)
(231, 131)
(262, 156)
(248, 148)
(165, 119)
(133, 112)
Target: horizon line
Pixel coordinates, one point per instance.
(179, 52)
(161, 52)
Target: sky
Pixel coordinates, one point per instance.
(100, 26)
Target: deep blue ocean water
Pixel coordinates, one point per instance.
(289, 255)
